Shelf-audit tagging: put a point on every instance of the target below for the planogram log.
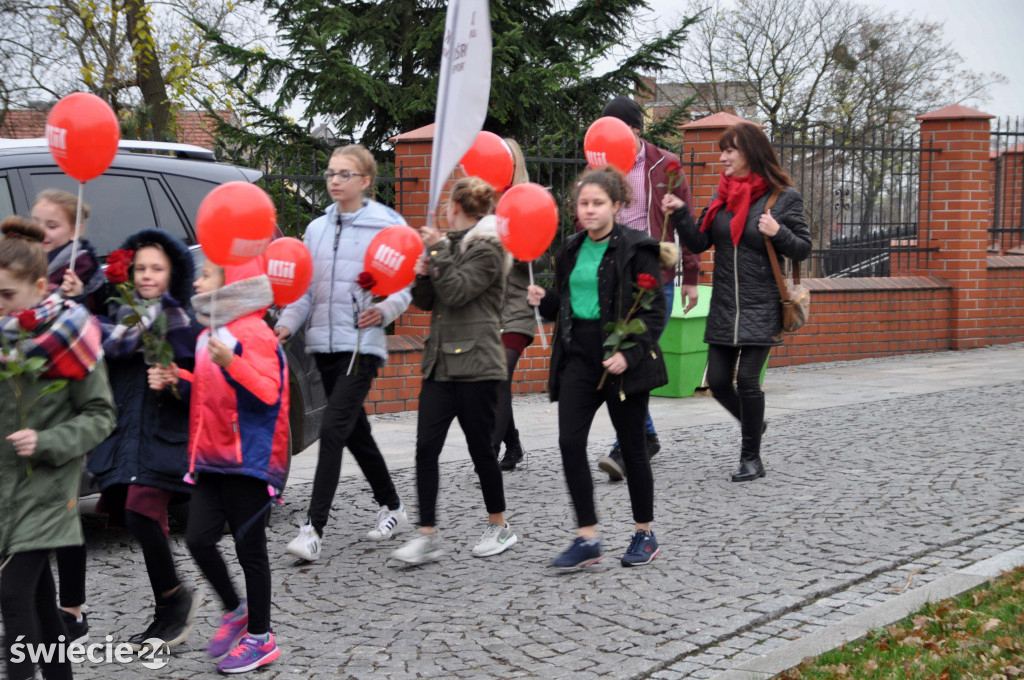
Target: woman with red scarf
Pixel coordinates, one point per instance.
(755, 200)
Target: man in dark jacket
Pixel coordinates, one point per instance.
(649, 181)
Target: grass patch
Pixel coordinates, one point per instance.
(978, 635)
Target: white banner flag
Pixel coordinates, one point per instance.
(463, 90)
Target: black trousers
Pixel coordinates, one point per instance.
(578, 401)
(744, 399)
(504, 420)
(28, 602)
(156, 550)
(473, 403)
(242, 502)
(345, 424)
(71, 575)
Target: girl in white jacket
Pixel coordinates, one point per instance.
(345, 334)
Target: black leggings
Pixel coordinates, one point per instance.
(578, 401)
(745, 399)
(473, 403)
(242, 502)
(28, 602)
(504, 419)
(71, 575)
(156, 550)
(345, 424)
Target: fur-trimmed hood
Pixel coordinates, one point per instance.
(487, 230)
(182, 268)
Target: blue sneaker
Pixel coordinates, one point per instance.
(643, 548)
(580, 554)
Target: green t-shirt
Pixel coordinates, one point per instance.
(583, 280)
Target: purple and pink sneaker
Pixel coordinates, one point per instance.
(250, 654)
(230, 631)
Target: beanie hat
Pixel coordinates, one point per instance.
(626, 110)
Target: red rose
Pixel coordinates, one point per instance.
(27, 319)
(646, 282)
(118, 263)
(366, 281)
(673, 167)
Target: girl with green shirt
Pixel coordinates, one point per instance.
(596, 271)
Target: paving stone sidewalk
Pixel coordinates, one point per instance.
(862, 501)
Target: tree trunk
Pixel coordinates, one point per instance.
(147, 68)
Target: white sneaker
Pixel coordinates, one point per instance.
(388, 522)
(306, 546)
(421, 549)
(496, 539)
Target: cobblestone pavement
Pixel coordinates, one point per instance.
(861, 502)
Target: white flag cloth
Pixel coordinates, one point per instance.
(463, 90)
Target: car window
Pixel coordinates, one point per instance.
(6, 200)
(190, 192)
(167, 217)
(119, 205)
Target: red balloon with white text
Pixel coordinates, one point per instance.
(82, 133)
(289, 267)
(391, 258)
(527, 220)
(609, 141)
(235, 223)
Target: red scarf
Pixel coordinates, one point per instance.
(736, 194)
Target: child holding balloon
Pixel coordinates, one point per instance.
(140, 468)
(345, 334)
(55, 211)
(238, 451)
(46, 429)
(461, 280)
(599, 274)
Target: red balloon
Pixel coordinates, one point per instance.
(82, 133)
(490, 159)
(391, 257)
(609, 141)
(235, 223)
(527, 220)
(289, 267)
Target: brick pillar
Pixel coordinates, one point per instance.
(956, 199)
(412, 153)
(701, 138)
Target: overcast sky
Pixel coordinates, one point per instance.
(988, 34)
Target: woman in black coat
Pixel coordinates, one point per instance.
(745, 320)
(597, 273)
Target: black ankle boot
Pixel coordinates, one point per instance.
(513, 455)
(749, 469)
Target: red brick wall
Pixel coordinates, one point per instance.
(964, 298)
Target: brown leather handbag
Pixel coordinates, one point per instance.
(796, 298)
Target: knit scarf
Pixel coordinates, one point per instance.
(736, 194)
(67, 337)
(62, 259)
(120, 340)
(233, 301)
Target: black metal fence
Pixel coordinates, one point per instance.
(1007, 229)
(293, 177)
(861, 199)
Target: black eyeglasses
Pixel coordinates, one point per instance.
(343, 175)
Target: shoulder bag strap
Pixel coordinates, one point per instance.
(779, 278)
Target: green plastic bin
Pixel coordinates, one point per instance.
(683, 346)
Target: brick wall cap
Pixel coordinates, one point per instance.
(955, 112)
(722, 120)
(1013, 150)
(421, 134)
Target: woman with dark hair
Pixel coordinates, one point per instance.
(597, 273)
(755, 201)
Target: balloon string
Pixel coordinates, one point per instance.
(78, 226)
(536, 313)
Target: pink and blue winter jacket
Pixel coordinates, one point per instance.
(239, 417)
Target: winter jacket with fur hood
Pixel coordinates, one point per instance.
(338, 243)
(464, 292)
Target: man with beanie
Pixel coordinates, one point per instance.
(649, 181)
